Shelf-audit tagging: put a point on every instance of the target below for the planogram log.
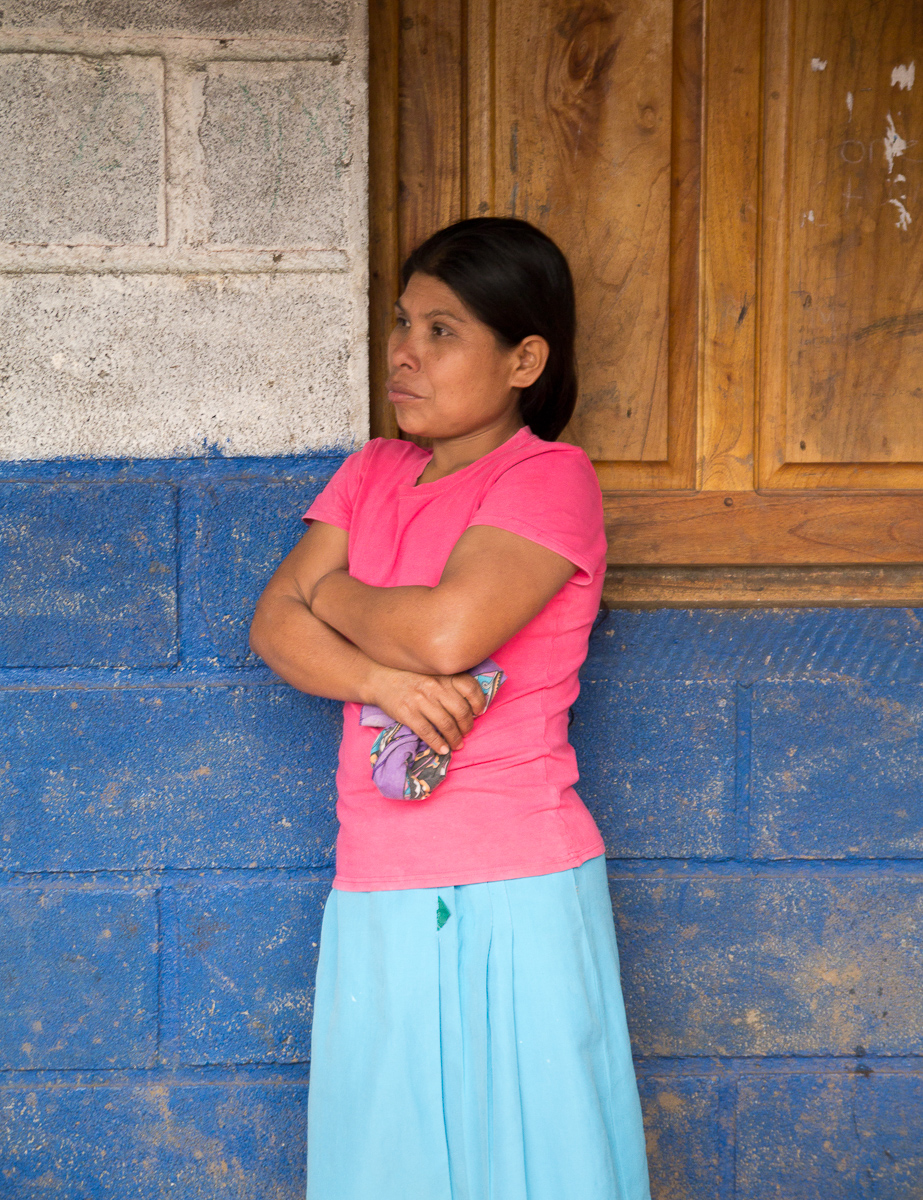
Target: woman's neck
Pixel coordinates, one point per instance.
(451, 454)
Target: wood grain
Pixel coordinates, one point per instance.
(841, 392)
(763, 587)
(384, 246)
(729, 245)
(480, 108)
(723, 320)
(582, 149)
(686, 308)
(432, 117)
(679, 469)
(772, 529)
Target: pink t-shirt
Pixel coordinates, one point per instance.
(507, 807)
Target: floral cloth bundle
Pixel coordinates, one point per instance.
(403, 766)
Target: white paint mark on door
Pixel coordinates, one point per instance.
(818, 64)
(902, 76)
(849, 104)
(903, 216)
(894, 144)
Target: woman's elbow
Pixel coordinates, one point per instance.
(259, 636)
(256, 644)
(448, 653)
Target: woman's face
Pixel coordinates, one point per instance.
(449, 376)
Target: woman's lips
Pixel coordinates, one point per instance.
(399, 395)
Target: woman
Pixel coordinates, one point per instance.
(469, 1038)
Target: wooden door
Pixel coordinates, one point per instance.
(740, 194)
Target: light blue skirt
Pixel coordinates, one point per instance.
(469, 1043)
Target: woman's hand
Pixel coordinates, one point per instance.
(440, 709)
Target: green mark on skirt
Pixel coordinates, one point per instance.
(442, 914)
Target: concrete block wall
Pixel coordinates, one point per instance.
(182, 228)
(167, 845)
(166, 832)
(183, 364)
(758, 779)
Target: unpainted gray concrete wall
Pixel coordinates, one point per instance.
(182, 228)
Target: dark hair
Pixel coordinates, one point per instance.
(516, 280)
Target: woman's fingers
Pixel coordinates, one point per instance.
(411, 700)
(458, 702)
(440, 709)
(435, 726)
(428, 733)
(450, 714)
(470, 689)
(443, 709)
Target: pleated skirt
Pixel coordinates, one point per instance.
(470, 1043)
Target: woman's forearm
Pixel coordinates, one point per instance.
(409, 628)
(309, 654)
(493, 584)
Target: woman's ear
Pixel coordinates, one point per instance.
(531, 355)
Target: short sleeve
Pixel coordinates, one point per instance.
(335, 503)
(553, 499)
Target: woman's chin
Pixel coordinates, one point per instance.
(424, 426)
(413, 424)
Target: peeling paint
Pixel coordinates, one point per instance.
(894, 143)
(903, 216)
(902, 76)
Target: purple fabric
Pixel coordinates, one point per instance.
(403, 766)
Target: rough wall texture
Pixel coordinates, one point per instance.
(166, 843)
(182, 228)
(182, 193)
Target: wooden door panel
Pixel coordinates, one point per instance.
(714, 586)
(583, 119)
(842, 305)
(727, 234)
(431, 115)
(582, 115)
(782, 528)
(750, 286)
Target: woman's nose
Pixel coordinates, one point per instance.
(402, 352)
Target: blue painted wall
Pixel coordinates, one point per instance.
(166, 841)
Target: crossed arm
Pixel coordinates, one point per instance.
(405, 649)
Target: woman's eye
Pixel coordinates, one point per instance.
(440, 330)
(401, 321)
